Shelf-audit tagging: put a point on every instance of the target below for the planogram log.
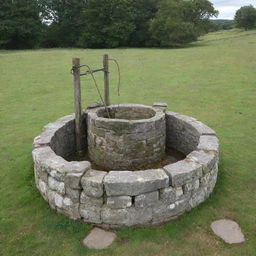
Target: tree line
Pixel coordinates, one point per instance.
(102, 23)
(110, 23)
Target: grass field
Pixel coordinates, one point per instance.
(214, 81)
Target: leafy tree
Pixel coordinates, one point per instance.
(20, 24)
(179, 22)
(199, 13)
(145, 10)
(108, 23)
(66, 22)
(245, 17)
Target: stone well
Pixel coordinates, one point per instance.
(122, 198)
(126, 136)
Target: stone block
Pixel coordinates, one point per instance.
(163, 212)
(147, 199)
(178, 192)
(43, 188)
(202, 128)
(191, 186)
(168, 195)
(160, 106)
(70, 209)
(92, 183)
(41, 174)
(56, 185)
(91, 201)
(44, 139)
(126, 217)
(207, 159)
(90, 214)
(180, 133)
(48, 161)
(209, 143)
(183, 172)
(55, 199)
(77, 170)
(73, 194)
(119, 202)
(130, 183)
(197, 198)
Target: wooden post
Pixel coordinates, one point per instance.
(77, 98)
(106, 80)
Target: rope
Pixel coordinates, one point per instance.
(119, 76)
(97, 87)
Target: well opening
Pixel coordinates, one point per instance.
(126, 112)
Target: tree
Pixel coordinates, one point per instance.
(20, 24)
(66, 23)
(145, 10)
(108, 23)
(245, 17)
(179, 22)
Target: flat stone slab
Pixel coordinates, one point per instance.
(99, 239)
(228, 230)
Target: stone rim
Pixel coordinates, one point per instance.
(171, 198)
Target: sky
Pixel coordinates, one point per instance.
(228, 8)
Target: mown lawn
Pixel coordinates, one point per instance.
(214, 81)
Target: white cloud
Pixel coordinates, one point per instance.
(228, 8)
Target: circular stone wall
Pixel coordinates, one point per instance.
(119, 199)
(126, 136)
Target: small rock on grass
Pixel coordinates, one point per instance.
(99, 239)
(228, 230)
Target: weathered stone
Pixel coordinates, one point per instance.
(207, 142)
(55, 199)
(73, 179)
(154, 200)
(180, 133)
(48, 161)
(126, 217)
(183, 172)
(118, 202)
(44, 139)
(178, 192)
(212, 181)
(202, 128)
(168, 195)
(146, 200)
(90, 214)
(43, 188)
(207, 159)
(99, 239)
(205, 180)
(92, 183)
(70, 209)
(228, 230)
(191, 186)
(91, 201)
(160, 105)
(128, 127)
(73, 194)
(134, 183)
(163, 212)
(42, 174)
(56, 185)
(197, 197)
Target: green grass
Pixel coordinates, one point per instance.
(213, 81)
